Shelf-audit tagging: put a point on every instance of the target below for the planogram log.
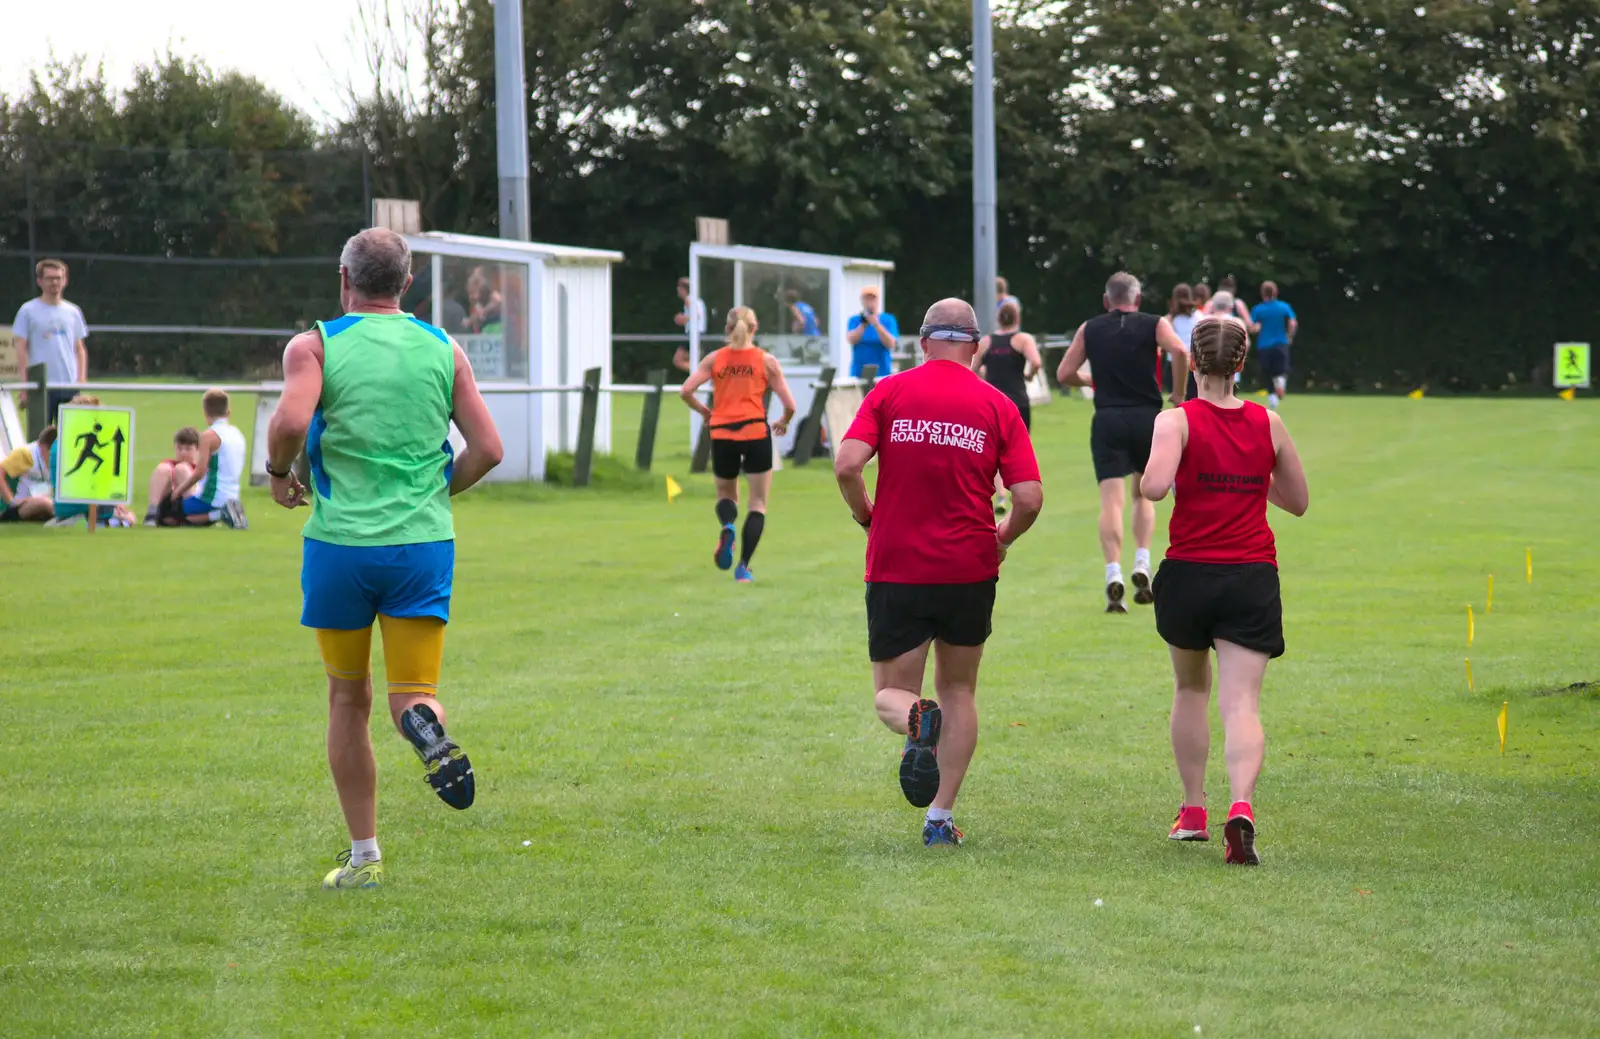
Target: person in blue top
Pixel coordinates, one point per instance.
(1274, 324)
(872, 336)
(802, 315)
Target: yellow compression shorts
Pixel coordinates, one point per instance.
(413, 653)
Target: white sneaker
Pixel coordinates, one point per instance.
(62, 521)
(1141, 587)
(1272, 401)
(1114, 603)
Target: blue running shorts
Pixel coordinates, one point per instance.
(347, 586)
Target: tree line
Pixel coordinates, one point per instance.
(1416, 176)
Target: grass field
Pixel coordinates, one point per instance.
(688, 822)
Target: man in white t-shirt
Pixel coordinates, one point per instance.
(695, 308)
(51, 331)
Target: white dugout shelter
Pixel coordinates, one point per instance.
(728, 276)
(552, 321)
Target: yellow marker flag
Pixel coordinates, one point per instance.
(1470, 626)
(1488, 606)
(1469, 676)
(1415, 394)
(673, 490)
(1567, 394)
(1503, 708)
(1530, 566)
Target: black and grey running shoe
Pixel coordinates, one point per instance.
(444, 764)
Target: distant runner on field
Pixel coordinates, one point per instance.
(370, 396)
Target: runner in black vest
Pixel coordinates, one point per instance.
(1007, 360)
(1122, 347)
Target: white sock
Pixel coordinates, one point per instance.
(939, 815)
(1141, 559)
(364, 851)
(1113, 572)
(1272, 400)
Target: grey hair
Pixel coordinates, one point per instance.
(1122, 289)
(377, 262)
(1221, 303)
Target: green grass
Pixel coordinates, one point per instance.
(718, 845)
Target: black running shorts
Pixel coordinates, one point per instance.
(1198, 603)
(901, 617)
(731, 457)
(1119, 440)
(1274, 361)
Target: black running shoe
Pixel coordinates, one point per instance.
(919, 762)
(444, 764)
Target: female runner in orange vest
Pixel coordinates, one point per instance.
(741, 438)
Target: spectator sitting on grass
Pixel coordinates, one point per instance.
(25, 481)
(215, 476)
(171, 471)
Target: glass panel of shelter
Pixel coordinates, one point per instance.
(483, 304)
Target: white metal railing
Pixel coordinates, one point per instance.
(277, 387)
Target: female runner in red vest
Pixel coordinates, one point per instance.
(1218, 586)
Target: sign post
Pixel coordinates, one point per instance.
(94, 451)
(1572, 366)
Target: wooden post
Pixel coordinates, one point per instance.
(649, 419)
(583, 463)
(811, 435)
(38, 401)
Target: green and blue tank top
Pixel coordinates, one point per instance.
(379, 443)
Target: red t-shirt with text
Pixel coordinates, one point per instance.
(941, 434)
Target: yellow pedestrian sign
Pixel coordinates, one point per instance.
(1572, 365)
(94, 455)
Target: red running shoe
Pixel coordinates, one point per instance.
(1240, 835)
(1190, 825)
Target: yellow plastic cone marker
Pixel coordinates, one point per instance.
(1503, 708)
(1470, 689)
(1530, 566)
(1470, 626)
(1568, 394)
(673, 490)
(1415, 394)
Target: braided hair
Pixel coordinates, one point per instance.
(1218, 345)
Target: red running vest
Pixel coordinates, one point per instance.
(1219, 514)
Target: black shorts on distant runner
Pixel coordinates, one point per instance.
(1198, 603)
(731, 457)
(901, 617)
(1119, 441)
(1274, 361)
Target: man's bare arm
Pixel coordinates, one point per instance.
(1077, 353)
(848, 465)
(484, 450)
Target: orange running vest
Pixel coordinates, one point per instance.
(738, 395)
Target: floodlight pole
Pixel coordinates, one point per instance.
(511, 119)
(984, 255)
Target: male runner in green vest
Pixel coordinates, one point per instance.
(370, 397)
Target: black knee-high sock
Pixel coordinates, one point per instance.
(727, 511)
(754, 524)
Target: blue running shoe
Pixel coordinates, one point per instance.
(724, 556)
(742, 574)
(943, 832)
(919, 761)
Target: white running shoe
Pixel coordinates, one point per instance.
(1141, 587)
(1114, 603)
(1272, 401)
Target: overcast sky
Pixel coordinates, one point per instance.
(303, 49)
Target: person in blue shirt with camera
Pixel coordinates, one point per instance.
(872, 336)
(1274, 323)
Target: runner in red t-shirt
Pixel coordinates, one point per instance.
(1218, 587)
(941, 435)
